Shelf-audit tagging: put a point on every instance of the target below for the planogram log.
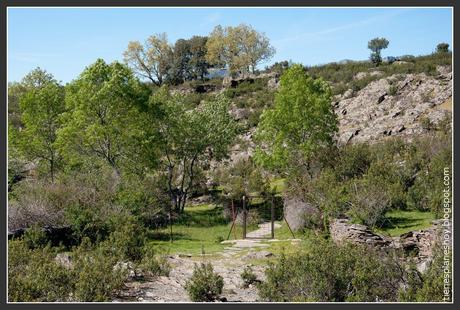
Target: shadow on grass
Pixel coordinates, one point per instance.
(202, 218)
(166, 236)
(401, 221)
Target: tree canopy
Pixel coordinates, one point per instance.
(41, 106)
(239, 48)
(103, 118)
(301, 122)
(442, 48)
(151, 60)
(376, 45)
(191, 138)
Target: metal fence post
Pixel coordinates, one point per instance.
(244, 217)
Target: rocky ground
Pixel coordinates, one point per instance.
(229, 264)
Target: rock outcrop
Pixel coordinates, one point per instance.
(394, 106)
(299, 214)
(343, 231)
(417, 246)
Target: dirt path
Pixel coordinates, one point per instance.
(229, 264)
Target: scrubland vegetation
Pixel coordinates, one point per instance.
(115, 161)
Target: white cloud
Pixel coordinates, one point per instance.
(282, 42)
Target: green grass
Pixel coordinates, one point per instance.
(200, 228)
(399, 222)
(284, 233)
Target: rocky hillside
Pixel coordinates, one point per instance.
(399, 105)
(402, 105)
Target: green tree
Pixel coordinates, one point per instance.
(35, 79)
(239, 48)
(41, 110)
(198, 63)
(15, 91)
(376, 45)
(104, 119)
(190, 138)
(151, 60)
(301, 123)
(180, 66)
(442, 48)
(241, 179)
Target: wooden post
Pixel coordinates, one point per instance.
(289, 227)
(244, 217)
(273, 218)
(233, 224)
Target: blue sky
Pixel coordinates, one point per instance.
(65, 40)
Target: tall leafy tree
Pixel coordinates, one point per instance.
(240, 48)
(180, 66)
(376, 45)
(35, 79)
(41, 108)
(299, 125)
(189, 139)
(151, 60)
(104, 119)
(198, 63)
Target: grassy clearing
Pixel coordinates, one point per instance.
(200, 228)
(399, 222)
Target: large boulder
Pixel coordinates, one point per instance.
(300, 214)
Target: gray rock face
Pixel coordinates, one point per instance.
(417, 246)
(420, 244)
(343, 231)
(298, 213)
(394, 106)
(273, 83)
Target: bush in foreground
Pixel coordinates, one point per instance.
(248, 276)
(333, 273)
(205, 284)
(34, 276)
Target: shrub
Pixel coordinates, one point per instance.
(154, 264)
(428, 286)
(96, 277)
(127, 238)
(38, 202)
(35, 237)
(34, 276)
(426, 123)
(147, 198)
(204, 285)
(353, 161)
(248, 276)
(427, 192)
(392, 90)
(329, 272)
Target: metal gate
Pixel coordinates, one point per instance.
(265, 230)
